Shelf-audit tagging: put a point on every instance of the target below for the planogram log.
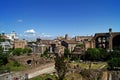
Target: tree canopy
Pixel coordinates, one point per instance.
(60, 66)
(92, 54)
(80, 45)
(3, 57)
(114, 63)
(20, 51)
(66, 52)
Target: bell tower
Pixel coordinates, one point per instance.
(66, 37)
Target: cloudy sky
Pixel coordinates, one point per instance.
(51, 18)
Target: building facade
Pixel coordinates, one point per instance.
(109, 40)
(5, 46)
(20, 43)
(11, 36)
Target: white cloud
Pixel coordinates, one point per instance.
(31, 34)
(30, 31)
(45, 35)
(19, 20)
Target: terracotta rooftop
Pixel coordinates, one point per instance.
(46, 42)
(70, 41)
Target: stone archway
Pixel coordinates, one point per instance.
(116, 42)
(29, 62)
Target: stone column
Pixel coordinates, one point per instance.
(110, 43)
(110, 39)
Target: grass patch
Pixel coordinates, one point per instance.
(73, 76)
(99, 65)
(94, 65)
(15, 66)
(76, 76)
(4, 69)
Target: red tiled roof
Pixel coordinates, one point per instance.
(70, 41)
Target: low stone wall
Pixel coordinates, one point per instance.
(31, 61)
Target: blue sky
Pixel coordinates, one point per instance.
(50, 18)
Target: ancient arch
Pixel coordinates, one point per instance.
(29, 62)
(116, 42)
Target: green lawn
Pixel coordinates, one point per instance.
(76, 76)
(14, 66)
(95, 65)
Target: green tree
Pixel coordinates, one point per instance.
(60, 66)
(80, 45)
(46, 53)
(1, 39)
(114, 54)
(109, 55)
(17, 51)
(114, 62)
(66, 52)
(92, 54)
(10, 51)
(117, 48)
(27, 50)
(3, 57)
(1, 49)
(16, 64)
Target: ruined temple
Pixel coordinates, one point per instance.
(31, 61)
(109, 40)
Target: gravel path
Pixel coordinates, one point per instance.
(47, 68)
(50, 69)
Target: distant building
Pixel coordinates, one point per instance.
(59, 50)
(88, 44)
(2, 36)
(32, 60)
(40, 46)
(70, 44)
(67, 37)
(109, 40)
(82, 39)
(86, 40)
(11, 36)
(19, 43)
(5, 45)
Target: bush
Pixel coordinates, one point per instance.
(114, 63)
(27, 50)
(17, 51)
(3, 59)
(60, 66)
(92, 54)
(80, 45)
(4, 69)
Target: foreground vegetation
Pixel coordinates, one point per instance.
(92, 65)
(83, 71)
(7, 65)
(15, 66)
